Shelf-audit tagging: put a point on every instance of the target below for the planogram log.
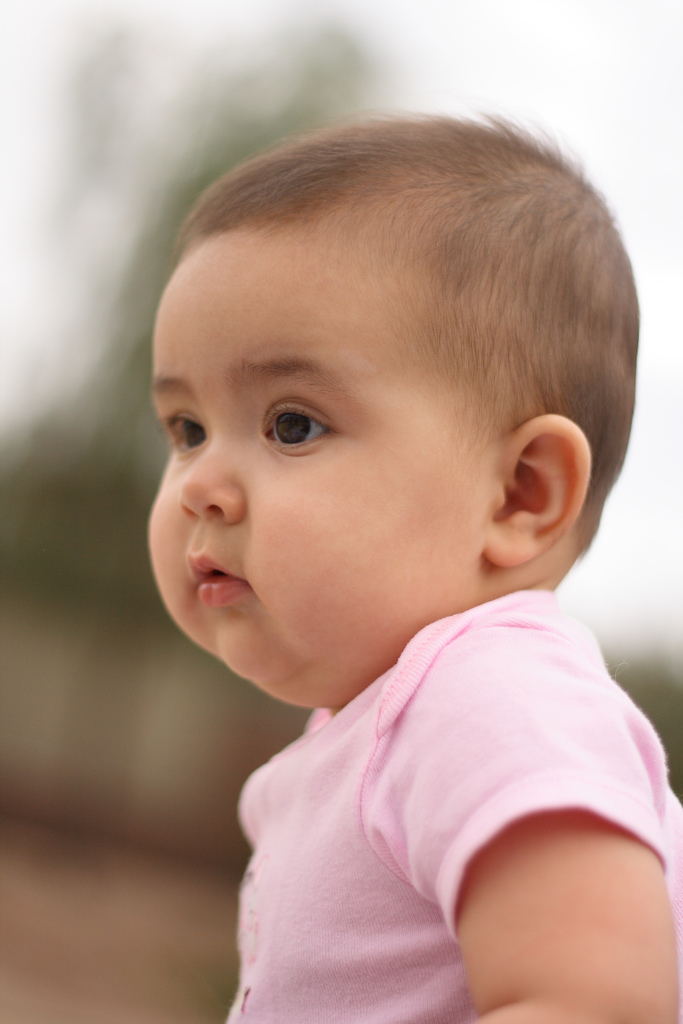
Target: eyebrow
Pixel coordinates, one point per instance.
(166, 385)
(293, 368)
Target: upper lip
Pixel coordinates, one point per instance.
(202, 567)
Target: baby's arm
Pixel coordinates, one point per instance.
(566, 920)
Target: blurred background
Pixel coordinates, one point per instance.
(122, 747)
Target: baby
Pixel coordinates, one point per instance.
(396, 366)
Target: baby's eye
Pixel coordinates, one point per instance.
(192, 434)
(185, 434)
(296, 428)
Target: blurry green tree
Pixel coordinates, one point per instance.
(656, 685)
(76, 504)
(109, 719)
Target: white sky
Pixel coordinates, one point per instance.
(604, 76)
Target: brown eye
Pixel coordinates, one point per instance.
(191, 434)
(295, 428)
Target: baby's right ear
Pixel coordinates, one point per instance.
(545, 469)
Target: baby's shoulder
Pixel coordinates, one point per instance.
(508, 653)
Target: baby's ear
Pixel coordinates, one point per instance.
(545, 468)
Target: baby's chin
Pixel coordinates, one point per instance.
(298, 674)
(258, 661)
(302, 683)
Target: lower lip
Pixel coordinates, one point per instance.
(222, 592)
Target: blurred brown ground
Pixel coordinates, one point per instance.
(92, 933)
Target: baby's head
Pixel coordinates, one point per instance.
(385, 361)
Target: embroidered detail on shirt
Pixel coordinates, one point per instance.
(239, 1005)
(249, 921)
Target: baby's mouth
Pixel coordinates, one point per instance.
(203, 568)
(216, 588)
(219, 590)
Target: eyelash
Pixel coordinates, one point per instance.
(174, 427)
(293, 410)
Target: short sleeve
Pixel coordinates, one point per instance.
(508, 722)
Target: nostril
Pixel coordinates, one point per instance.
(217, 502)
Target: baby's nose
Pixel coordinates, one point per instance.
(209, 489)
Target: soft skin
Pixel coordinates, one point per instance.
(564, 919)
(324, 499)
(351, 541)
(398, 513)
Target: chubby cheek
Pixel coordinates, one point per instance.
(166, 548)
(158, 537)
(312, 578)
(355, 578)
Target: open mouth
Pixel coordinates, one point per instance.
(203, 568)
(215, 587)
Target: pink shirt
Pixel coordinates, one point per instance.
(362, 829)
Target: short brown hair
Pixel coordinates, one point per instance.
(531, 302)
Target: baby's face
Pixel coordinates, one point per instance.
(323, 500)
